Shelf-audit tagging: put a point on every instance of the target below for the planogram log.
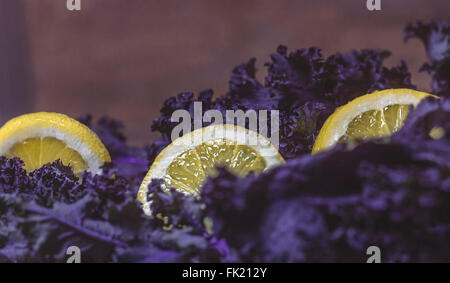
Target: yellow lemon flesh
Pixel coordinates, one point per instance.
(375, 115)
(187, 162)
(189, 170)
(35, 152)
(40, 138)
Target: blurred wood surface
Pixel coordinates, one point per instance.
(15, 68)
(123, 58)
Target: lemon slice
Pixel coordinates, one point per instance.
(189, 160)
(374, 115)
(40, 138)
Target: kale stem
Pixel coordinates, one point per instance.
(92, 234)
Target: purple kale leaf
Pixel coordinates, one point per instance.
(164, 123)
(394, 194)
(310, 88)
(371, 196)
(13, 178)
(303, 85)
(427, 131)
(245, 89)
(436, 38)
(45, 212)
(174, 209)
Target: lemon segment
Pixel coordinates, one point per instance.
(377, 123)
(189, 170)
(40, 138)
(36, 152)
(375, 115)
(187, 162)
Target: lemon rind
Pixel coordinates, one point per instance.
(336, 125)
(192, 139)
(47, 124)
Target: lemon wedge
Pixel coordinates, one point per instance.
(374, 115)
(186, 163)
(43, 137)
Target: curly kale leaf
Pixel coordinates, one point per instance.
(303, 85)
(436, 38)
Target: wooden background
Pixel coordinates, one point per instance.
(124, 57)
